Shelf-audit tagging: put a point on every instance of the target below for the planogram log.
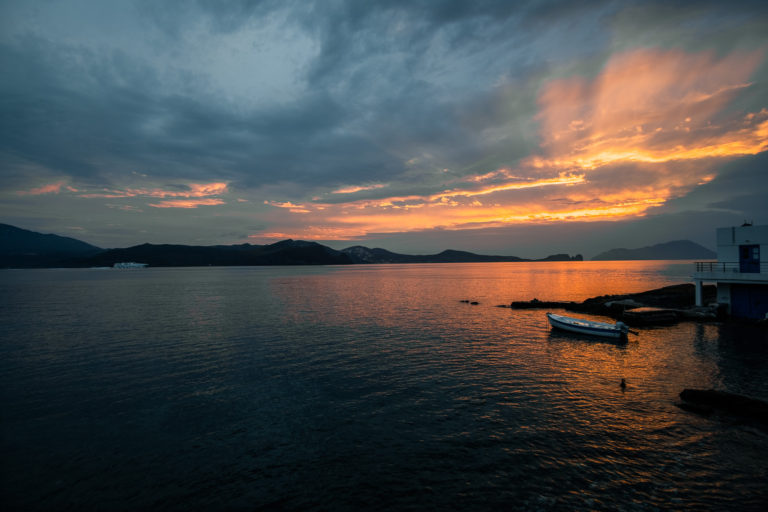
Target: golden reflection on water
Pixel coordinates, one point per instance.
(582, 373)
(427, 298)
(658, 363)
(387, 293)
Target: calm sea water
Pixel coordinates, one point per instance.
(363, 387)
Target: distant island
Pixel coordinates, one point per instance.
(20, 248)
(360, 254)
(675, 250)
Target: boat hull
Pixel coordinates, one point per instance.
(587, 327)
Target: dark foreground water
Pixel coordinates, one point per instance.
(365, 387)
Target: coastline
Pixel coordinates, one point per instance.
(665, 305)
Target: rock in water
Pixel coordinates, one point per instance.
(710, 399)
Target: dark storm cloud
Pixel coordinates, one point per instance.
(92, 116)
(389, 69)
(174, 16)
(391, 81)
(741, 189)
(81, 113)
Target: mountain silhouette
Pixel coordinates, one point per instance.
(675, 250)
(26, 249)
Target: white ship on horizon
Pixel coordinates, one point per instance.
(129, 264)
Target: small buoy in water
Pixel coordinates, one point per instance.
(623, 384)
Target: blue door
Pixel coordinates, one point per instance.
(749, 258)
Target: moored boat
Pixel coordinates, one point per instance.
(581, 326)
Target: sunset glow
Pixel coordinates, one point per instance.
(186, 203)
(646, 113)
(305, 254)
(188, 190)
(390, 122)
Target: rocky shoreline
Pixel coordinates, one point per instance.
(660, 306)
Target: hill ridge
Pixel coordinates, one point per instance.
(673, 250)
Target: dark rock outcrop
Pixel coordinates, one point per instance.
(708, 401)
(669, 304)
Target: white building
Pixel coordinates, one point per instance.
(740, 272)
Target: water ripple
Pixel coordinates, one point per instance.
(349, 388)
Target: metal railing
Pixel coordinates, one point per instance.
(732, 266)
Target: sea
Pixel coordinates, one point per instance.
(364, 387)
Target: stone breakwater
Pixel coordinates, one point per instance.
(662, 305)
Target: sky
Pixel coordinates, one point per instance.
(521, 128)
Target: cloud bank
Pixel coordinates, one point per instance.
(350, 120)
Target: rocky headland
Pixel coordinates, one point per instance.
(662, 305)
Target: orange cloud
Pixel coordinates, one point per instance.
(650, 106)
(482, 216)
(444, 198)
(353, 189)
(202, 189)
(293, 208)
(647, 129)
(342, 224)
(187, 203)
(53, 188)
(189, 190)
(563, 179)
(286, 204)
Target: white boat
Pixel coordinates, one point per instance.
(578, 325)
(129, 264)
